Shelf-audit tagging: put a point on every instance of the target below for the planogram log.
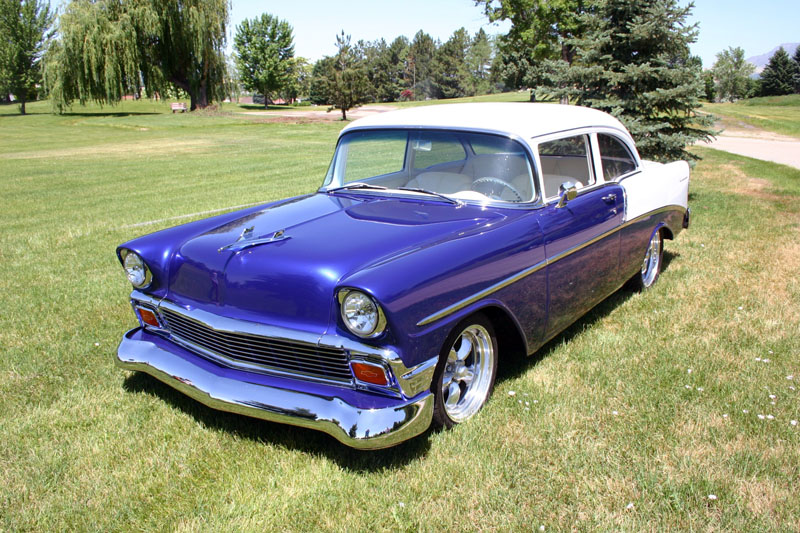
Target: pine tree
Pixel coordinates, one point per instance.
(777, 78)
(634, 63)
(420, 66)
(264, 55)
(479, 60)
(796, 76)
(346, 78)
(450, 72)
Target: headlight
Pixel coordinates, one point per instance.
(136, 269)
(361, 314)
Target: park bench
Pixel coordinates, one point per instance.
(178, 106)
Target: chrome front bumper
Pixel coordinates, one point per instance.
(362, 421)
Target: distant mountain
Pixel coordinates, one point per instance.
(761, 61)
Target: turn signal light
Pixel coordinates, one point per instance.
(369, 373)
(148, 317)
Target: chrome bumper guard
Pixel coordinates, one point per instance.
(354, 426)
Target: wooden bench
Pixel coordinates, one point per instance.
(178, 106)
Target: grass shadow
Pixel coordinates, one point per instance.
(118, 114)
(283, 435)
(260, 107)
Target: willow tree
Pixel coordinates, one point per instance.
(109, 48)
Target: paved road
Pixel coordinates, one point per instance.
(760, 145)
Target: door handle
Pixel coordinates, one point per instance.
(610, 199)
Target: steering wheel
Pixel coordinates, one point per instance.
(495, 181)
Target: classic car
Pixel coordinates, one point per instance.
(443, 240)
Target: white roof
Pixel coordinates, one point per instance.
(525, 120)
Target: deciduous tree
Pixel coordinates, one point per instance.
(731, 74)
(25, 31)
(541, 31)
(264, 49)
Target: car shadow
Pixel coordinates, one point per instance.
(282, 435)
(520, 365)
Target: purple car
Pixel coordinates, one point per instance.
(443, 239)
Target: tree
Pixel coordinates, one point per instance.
(634, 63)
(479, 61)
(731, 74)
(109, 48)
(264, 50)
(420, 65)
(796, 77)
(709, 87)
(25, 26)
(542, 32)
(345, 79)
(298, 85)
(451, 74)
(777, 78)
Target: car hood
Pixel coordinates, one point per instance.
(282, 264)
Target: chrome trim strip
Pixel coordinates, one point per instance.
(351, 425)
(482, 294)
(538, 266)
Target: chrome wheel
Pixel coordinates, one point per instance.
(652, 261)
(468, 373)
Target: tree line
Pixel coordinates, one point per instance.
(627, 57)
(731, 76)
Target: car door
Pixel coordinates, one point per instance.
(580, 235)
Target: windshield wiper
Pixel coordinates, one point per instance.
(357, 185)
(426, 191)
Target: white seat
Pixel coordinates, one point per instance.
(441, 182)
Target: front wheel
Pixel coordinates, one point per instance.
(651, 265)
(465, 374)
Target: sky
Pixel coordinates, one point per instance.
(756, 26)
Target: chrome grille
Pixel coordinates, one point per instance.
(263, 353)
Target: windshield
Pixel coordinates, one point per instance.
(459, 165)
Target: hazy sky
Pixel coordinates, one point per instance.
(756, 26)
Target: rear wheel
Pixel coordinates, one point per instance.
(651, 265)
(465, 375)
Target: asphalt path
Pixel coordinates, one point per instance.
(760, 145)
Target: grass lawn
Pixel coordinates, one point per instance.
(779, 114)
(630, 420)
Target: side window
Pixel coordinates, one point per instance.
(436, 148)
(615, 156)
(567, 159)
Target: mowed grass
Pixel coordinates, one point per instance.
(779, 114)
(630, 420)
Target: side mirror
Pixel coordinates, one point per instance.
(567, 192)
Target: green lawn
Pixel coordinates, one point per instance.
(779, 114)
(629, 421)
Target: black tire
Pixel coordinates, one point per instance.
(464, 377)
(653, 260)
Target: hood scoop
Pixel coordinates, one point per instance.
(246, 240)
